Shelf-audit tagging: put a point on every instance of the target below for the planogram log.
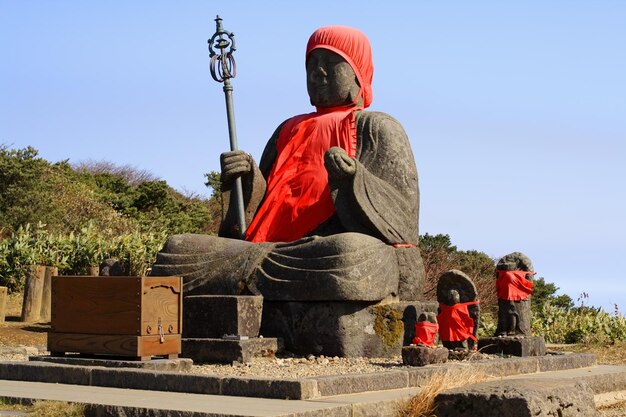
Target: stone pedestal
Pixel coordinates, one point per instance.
(513, 345)
(224, 329)
(213, 316)
(343, 328)
(228, 351)
(423, 355)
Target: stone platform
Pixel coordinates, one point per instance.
(377, 394)
(303, 388)
(205, 350)
(513, 345)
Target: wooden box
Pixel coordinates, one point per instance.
(136, 317)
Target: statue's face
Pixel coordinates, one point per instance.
(330, 80)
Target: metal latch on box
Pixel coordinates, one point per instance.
(160, 328)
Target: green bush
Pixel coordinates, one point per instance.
(75, 252)
(587, 325)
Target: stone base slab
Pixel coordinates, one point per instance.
(343, 328)
(513, 345)
(424, 355)
(180, 364)
(205, 350)
(519, 398)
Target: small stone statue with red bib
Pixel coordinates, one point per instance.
(514, 287)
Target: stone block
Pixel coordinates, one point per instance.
(343, 328)
(156, 380)
(45, 372)
(213, 316)
(180, 364)
(423, 355)
(513, 345)
(270, 388)
(349, 384)
(503, 367)
(518, 398)
(566, 361)
(227, 351)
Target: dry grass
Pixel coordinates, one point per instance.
(610, 354)
(56, 409)
(46, 409)
(423, 404)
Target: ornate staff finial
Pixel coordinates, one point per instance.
(223, 64)
(223, 68)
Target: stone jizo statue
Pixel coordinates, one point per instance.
(459, 311)
(426, 329)
(514, 287)
(332, 206)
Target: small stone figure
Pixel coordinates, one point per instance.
(514, 287)
(459, 313)
(423, 350)
(426, 329)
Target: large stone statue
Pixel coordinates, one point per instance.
(332, 213)
(332, 206)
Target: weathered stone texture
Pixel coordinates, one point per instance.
(213, 316)
(518, 398)
(349, 329)
(205, 350)
(513, 345)
(423, 355)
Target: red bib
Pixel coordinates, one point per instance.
(298, 198)
(513, 285)
(455, 323)
(425, 333)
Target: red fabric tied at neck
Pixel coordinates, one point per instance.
(298, 198)
(425, 333)
(455, 323)
(513, 285)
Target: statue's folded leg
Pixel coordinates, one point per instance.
(209, 264)
(345, 266)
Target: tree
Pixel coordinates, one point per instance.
(544, 292)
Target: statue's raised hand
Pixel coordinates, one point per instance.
(338, 164)
(234, 164)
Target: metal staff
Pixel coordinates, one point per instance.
(223, 68)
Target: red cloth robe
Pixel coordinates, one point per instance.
(455, 323)
(513, 285)
(298, 198)
(425, 333)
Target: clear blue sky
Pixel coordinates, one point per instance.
(516, 110)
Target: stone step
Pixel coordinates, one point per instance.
(304, 388)
(382, 403)
(564, 393)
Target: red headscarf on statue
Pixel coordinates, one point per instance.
(298, 198)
